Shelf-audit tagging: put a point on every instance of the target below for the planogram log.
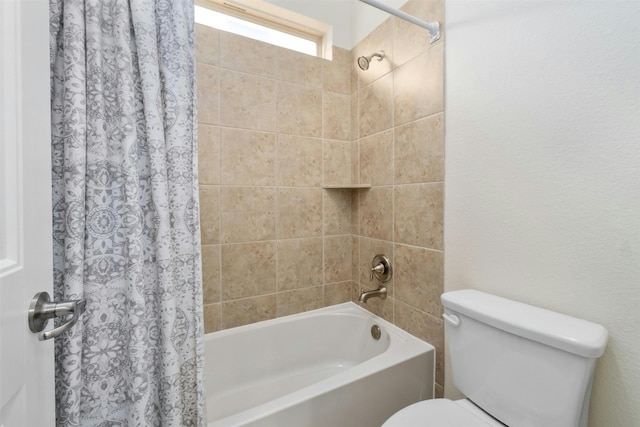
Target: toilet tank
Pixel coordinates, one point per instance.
(524, 365)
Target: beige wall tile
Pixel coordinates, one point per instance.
(299, 263)
(419, 278)
(376, 106)
(299, 212)
(336, 73)
(209, 214)
(299, 110)
(353, 76)
(355, 210)
(208, 154)
(248, 157)
(355, 162)
(247, 214)
(419, 151)
(299, 300)
(207, 45)
(247, 55)
(355, 257)
(299, 161)
(411, 40)
(249, 310)
(380, 39)
(336, 116)
(425, 327)
(247, 101)
(259, 87)
(337, 258)
(208, 81)
(337, 162)
(337, 293)
(355, 117)
(376, 159)
(419, 215)
(375, 210)
(211, 274)
(337, 212)
(298, 68)
(417, 98)
(248, 269)
(212, 314)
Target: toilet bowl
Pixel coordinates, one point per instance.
(442, 413)
(516, 364)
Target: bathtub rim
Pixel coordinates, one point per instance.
(344, 308)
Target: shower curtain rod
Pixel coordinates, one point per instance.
(432, 27)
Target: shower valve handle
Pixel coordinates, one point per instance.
(378, 269)
(42, 309)
(381, 268)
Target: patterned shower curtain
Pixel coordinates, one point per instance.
(125, 217)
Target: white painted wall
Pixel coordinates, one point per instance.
(336, 13)
(351, 19)
(365, 18)
(543, 169)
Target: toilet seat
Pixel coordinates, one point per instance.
(441, 413)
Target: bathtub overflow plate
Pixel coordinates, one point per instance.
(376, 332)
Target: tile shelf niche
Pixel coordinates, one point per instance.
(346, 186)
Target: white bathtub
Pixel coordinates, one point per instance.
(321, 368)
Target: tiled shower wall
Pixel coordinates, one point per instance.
(399, 129)
(274, 126)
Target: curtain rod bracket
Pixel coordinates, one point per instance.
(432, 27)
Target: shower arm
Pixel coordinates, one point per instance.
(432, 27)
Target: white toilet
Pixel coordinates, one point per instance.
(518, 365)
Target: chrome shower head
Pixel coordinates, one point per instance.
(363, 61)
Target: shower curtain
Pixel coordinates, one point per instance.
(125, 217)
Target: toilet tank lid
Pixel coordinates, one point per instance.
(557, 330)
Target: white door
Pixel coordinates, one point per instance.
(26, 364)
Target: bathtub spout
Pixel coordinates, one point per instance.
(381, 292)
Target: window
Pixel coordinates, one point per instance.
(268, 23)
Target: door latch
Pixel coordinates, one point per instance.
(42, 309)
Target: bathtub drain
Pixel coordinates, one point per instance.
(376, 332)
